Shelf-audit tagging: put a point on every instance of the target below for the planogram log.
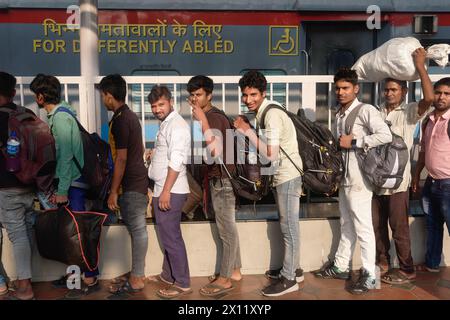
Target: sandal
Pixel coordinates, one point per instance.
(159, 278)
(119, 280)
(124, 288)
(395, 277)
(214, 289)
(177, 292)
(3, 289)
(214, 277)
(424, 268)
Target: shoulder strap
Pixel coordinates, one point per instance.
(66, 110)
(351, 118)
(262, 126)
(263, 115)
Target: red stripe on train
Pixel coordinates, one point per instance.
(209, 17)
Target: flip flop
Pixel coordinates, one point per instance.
(214, 277)
(119, 280)
(394, 277)
(159, 278)
(4, 290)
(13, 296)
(212, 292)
(124, 288)
(179, 292)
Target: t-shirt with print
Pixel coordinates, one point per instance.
(126, 133)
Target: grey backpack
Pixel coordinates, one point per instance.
(384, 165)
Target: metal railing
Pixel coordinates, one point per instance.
(312, 93)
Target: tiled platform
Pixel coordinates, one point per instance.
(427, 286)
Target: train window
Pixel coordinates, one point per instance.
(341, 58)
(278, 92)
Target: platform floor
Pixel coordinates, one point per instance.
(427, 286)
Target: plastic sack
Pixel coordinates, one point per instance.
(439, 53)
(393, 59)
(70, 237)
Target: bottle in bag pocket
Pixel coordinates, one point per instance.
(13, 153)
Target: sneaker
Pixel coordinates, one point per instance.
(280, 287)
(86, 289)
(275, 274)
(330, 271)
(61, 282)
(364, 283)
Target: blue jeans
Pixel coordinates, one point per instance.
(287, 196)
(16, 214)
(436, 205)
(224, 203)
(77, 202)
(133, 208)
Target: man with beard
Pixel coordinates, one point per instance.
(435, 156)
(168, 171)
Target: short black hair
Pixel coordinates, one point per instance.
(47, 85)
(346, 74)
(157, 93)
(442, 82)
(401, 83)
(7, 84)
(115, 85)
(200, 82)
(253, 79)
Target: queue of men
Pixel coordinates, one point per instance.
(365, 212)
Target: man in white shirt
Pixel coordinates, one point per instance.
(391, 205)
(355, 194)
(168, 171)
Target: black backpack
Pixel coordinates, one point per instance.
(248, 179)
(318, 148)
(98, 163)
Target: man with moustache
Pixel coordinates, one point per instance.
(355, 193)
(435, 156)
(390, 206)
(168, 171)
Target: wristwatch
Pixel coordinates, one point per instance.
(353, 143)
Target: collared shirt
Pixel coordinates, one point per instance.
(280, 130)
(436, 144)
(403, 120)
(172, 149)
(68, 146)
(370, 131)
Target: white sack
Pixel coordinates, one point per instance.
(393, 59)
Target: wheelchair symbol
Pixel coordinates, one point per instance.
(287, 44)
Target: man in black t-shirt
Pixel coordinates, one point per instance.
(129, 184)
